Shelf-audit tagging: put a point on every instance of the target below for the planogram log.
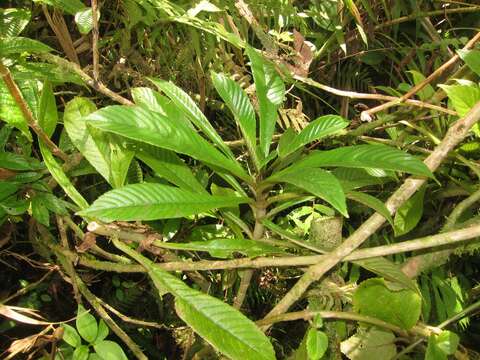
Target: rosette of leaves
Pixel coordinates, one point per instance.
(167, 128)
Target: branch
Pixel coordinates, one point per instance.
(457, 132)
(95, 34)
(27, 113)
(70, 66)
(367, 115)
(261, 262)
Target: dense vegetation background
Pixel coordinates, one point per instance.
(239, 179)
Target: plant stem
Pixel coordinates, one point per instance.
(27, 113)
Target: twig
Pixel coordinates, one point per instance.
(427, 14)
(27, 113)
(344, 315)
(367, 115)
(95, 34)
(70, 66)
(29, 287)
(357, 95)
(457, 132)
(261, 262)
(460, 209)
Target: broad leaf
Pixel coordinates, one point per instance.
(81, 353)
(241, 108)
(371, 202)
(442, 345)
(16, 45)
(155, 201)
(86, 324)
(69, 6)
(270, 91)
(102, 151)
(154, 101)
(409, 214)
(398, 307)
(317, 129)
(70, 336)
(13, 21)
(188, 107)
(388, 270)
(463, 97)
(168, 165)
(13, 161)
(84, 20)
(317, 344)
(151, 127)
(109, 350)
(47, 114)
(364, 156)
(224, 248)
(317, 182)
(471, 58)
(228, 330)
(371, 343)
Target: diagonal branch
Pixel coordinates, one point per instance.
(457, 132)
(27, 113)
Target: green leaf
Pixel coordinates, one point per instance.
(109, 350)
(270, 91)
(317, 182)
(9, 110)
(367, 344)
(364, 156)
(84, 20)
(39, 211)
(70, 336)
(224, 248)
(188, 107)
(409, 214)
(471, 58)
(13, 161)
(371, 202)
(224, 327)
(427, 92)
(168, 165)
(140, 124)
(442, 345)
(17, 45)
(463, 97)
(86, 324)
(401, 308)
(48, 116)
(388, 270)
(155, 201)
(317, 129)
(13, 21)
(7, 189)
(241, 108)
(81, 353)
(317, 344)
(154, 101)
(352, 178)
(102, 331)
(69, 6)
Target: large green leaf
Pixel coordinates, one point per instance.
(155, 201)
(471, 58)
(317, 129)
(371, 202)
(317, 182)
(463, 97)
(102, 150)
(13, 161)
(270, 91)
(13, 21)
(409, 214)
(352, 178)
(241, 108)
(69, 6)
(154, 101)
(47, 114)
(399, 307)
(188, 107)
(388, 270)
(228, 330)
(61, 178)
(168, 165)
(16, 45)
(224, 248)
(138, 123)
(364, 156)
